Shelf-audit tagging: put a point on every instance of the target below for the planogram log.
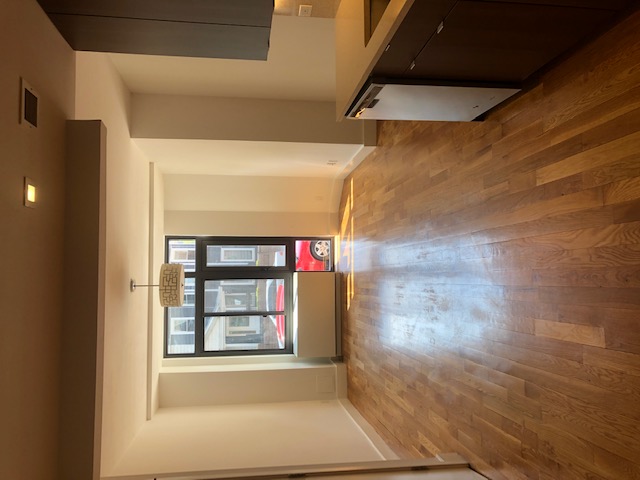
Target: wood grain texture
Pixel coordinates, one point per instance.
(493, 273)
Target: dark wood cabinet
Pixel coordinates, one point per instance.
(489, 41)
(615, 5)
(195, 28)
(502, 42)
(412, 35)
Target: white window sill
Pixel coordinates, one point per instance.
(246, 363)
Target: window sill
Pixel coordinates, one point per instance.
(243, 383)
(249, 363)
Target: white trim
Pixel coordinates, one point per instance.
(454, 462)
(385, 452)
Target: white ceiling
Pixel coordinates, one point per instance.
(300, 66)
(226, 157)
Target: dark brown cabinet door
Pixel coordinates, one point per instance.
(194, 28)
(599, 4)
(503, 41)
(255, 13)
(420, 24)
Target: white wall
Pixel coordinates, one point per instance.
(246, 436)
(102, 95)
(31, 239)
(237, 205)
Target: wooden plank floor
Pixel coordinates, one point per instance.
(492, 275)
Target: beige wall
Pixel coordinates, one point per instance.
(253, 206)
(268, 224)
(31, 240)
(246, 383)
(231, 193)
(246, 436)
(83, 320)
(191, 117)
(102, 95)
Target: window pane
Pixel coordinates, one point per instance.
(244, 332)
(181, 322)
(314, 255)
(246, 255)
(184, 252)
(244, 295)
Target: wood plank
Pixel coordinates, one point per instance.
(626, 212)
(586, 80)
(622, 191)
(611, 297)
(588, 277)
(627, 168)
(582, 334)
(615, 151)
(617, 361)
(606, 121)
(610, 431)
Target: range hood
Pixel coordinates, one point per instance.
(393, 99)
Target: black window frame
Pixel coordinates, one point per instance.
(204, 273)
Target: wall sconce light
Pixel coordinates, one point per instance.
(30, 191)
(171, 285)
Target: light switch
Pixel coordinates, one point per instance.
(28, 105)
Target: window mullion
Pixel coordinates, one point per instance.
(199, 314)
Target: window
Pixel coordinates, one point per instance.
(238, 293)
(237, 254)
